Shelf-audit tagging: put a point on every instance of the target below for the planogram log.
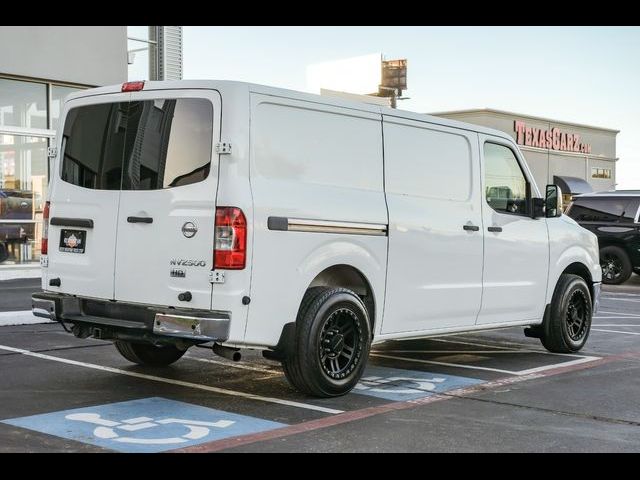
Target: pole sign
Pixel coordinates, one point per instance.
(553, 139)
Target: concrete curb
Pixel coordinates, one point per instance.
(20, 272)
(23, 317)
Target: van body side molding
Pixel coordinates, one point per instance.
(71, 222)
(325, 226)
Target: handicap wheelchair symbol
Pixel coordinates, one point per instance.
(108, 429)
(398, 385)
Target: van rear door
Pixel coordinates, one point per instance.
(166, 218)
(85, 195)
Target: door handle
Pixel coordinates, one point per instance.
(139, 219)
(471, 228)
(494, 229)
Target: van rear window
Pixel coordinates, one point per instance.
(140, 145)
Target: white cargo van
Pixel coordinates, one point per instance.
(242, 216)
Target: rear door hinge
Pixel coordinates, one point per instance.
(223, 148)
(52, 152)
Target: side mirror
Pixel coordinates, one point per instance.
(553, 201)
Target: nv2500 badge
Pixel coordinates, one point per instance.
(188, 263)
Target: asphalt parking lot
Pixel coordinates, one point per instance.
(483, 392)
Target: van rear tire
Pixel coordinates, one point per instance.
(332, 342)
(567, 326)
(148, 354)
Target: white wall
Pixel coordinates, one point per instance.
(94, 55)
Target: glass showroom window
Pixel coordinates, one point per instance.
(23, 104)
(29, 114)
(58, 94)
(23, 189)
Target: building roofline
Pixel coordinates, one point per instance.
(514, 114)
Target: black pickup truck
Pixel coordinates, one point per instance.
(613, 217)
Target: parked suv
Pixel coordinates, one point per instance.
(614, 218)
(16, 204)
(243, 216)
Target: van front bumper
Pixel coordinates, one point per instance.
(106, 319)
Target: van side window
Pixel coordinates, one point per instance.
(505, 184)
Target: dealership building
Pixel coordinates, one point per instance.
(579, 158)
(39, 66)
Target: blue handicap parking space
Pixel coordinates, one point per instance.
(146, 425)
(397, 384)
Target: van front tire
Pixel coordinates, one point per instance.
(332, 342)
(567, 326)
(615, 264)
(148, 354)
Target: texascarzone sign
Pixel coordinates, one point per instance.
(554, 139)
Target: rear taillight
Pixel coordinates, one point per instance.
(230, 244)
(132, 86)
(44, 246)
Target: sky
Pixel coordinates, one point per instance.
(587, 75)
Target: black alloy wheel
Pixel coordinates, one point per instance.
(611, 267)
(340, 346)
(616, 265)
(576, 317)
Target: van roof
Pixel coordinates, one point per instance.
(243, 87)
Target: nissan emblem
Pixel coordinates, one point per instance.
(189, 229)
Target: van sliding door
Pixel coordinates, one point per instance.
(432, 182)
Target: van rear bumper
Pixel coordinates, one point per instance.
(107, 319)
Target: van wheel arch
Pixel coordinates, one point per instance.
(349, 277)
(581, 270)
(338, 276)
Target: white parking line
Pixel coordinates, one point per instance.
(241, 366)
(475, 344)
(617, 324)
(581, 359)
(619, 318)
(446, 364)
(584, 359)
(171, 381)
(518, 347)
(614, 331)
(626, 300)
(453, 351)
(620, 313)
(614, 294)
